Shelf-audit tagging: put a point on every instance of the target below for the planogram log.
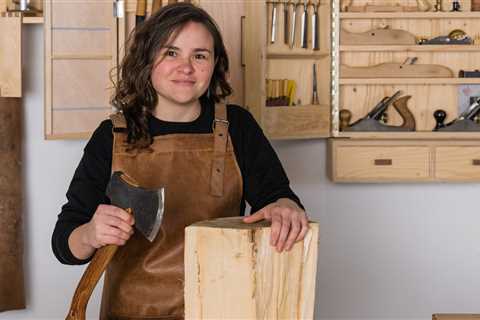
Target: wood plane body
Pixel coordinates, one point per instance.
(378, 37)
(464, 125)
(396, 70)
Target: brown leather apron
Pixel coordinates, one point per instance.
(202, 181)
(11, 240)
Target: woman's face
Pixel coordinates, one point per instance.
(183, 68)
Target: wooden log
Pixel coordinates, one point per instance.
(11, 240)
(232, 272)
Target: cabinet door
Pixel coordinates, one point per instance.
(80, 52)
(273, 54)
(10, 56)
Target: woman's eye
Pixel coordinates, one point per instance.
(200, 57)
(171, 53)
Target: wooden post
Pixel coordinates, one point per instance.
(232, 272)
(11, 240)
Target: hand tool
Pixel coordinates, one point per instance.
(396, 70)
(424, 5)
(140, 12)
(315, 90)
(315, 44)
(286, 22)
(382, 36)
(456, 36)
(304, 33)
(465, 121)
(469, 74)
(294, 25)
(156, 5)
(456, 5)
(439, 116)
(274, 22)
(147, 208)
(372, 122)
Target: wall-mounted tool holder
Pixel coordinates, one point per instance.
(289, 40)
(368, 71)
(10, 55)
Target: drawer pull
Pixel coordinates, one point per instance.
(476, 162)
(383, 162)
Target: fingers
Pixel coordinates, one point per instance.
(110, 225)
(257, 216)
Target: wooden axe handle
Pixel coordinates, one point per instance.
(89, 280)
(156, 5)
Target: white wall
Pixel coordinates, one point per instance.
(399, 251)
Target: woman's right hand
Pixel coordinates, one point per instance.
(109, 225)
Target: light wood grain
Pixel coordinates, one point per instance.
(396, 70)
(455, 316)
(377, 37)
(267, 284)
(457, 163)
(10, 56)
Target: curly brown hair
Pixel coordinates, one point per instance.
(134, 93)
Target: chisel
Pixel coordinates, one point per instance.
(156, 5)
(315, 89)
(274, 22)
(286, 16)
(304, 32)
(315, 27)
(294, 25)
(141, 12)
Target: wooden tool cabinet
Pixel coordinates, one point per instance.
(422, 155)
(84, 42)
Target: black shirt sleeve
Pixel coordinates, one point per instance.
(86, 191)
(264, 179)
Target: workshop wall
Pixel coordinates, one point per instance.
(399, 251)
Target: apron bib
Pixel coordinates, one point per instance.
(202, 181)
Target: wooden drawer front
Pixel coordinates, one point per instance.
(382, 163)
(458, 163)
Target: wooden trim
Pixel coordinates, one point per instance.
(411, 48)
(388, 81)
(409, 15)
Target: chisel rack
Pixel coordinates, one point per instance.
(288, 40)
(421, 155)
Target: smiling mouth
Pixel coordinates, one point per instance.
(184, 82)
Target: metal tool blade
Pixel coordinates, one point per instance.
(147, 204)
(294, 26)
(286, 22)
(304, 31)
(315, 90)
(315, 27)
(274, 22)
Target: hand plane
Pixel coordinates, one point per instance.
(372, 121)
(465, 121)
(456, 36)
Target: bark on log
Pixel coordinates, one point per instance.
(232, 272)
(11, 241)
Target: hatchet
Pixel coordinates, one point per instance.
(147, 208)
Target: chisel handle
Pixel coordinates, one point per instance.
(141, 12)
(89, 280)
(156, 5)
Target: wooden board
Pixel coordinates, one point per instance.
(10, 56)
(232, 272)
(396, 70)
(377, 37)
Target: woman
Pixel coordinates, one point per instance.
(173, 132)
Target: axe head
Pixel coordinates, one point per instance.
(146, 204)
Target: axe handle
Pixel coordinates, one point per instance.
(156, 5)
(141, 11)
(90, 279)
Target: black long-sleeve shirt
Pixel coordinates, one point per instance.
(264, 179)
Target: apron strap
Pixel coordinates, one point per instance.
(119, 132)
(220, 133)
(119, 122)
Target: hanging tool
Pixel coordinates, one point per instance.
(140, 12)
(147, 209)
(465, 121)
(286, 22)
(156, 5)
(294, 25)
(304, 33)
(274, 22)
(316, 45)
(315, 89)
(372, 122)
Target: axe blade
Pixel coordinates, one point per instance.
(147, 205)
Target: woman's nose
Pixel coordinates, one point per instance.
(186, 65)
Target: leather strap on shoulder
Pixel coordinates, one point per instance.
(118, 121)
(220, 133)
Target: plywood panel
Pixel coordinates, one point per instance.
(82, 14)
(81, 42)
(78, 121)
(10, 56)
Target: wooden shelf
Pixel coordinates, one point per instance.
(414, 135)
(32, 20)
(433, 81)
(412, 48)
(409, 15)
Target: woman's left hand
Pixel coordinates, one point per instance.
(289, 222)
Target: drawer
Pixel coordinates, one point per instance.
(461, 163)
(381, 163)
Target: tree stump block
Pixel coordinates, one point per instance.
(232, 272)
